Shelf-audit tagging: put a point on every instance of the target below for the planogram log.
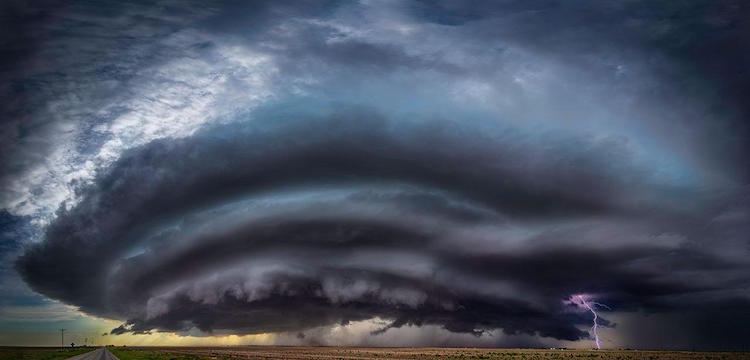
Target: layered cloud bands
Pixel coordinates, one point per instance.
(407, 168)
(349, 215)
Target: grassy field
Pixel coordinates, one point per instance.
(144, 354)
(357, 353)
(23, 353)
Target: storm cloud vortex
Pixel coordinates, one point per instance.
(403, 171)
(348, 215)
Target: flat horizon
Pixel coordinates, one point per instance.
(395, 174)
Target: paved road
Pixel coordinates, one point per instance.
(98, 354)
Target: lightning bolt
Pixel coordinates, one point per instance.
(590, 307)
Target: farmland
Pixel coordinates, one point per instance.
(39, 353)
(356, 353)
(361, 353)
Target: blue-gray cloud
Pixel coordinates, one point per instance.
(466, 166)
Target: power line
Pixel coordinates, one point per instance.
(62, 331)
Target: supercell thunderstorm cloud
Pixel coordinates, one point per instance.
(465, 173)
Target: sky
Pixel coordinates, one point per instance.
(385, 173)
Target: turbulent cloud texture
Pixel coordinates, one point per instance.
(282, 167)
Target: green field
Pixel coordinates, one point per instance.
(141, 354)
(14, 353)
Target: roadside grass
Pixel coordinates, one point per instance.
(140, 354)
(19, 353)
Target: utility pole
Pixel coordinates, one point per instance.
(62, 346)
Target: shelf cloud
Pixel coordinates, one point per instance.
(275, 167)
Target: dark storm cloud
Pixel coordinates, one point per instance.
(696, 49)
(469, 166)
(76, 50)
(330, 259)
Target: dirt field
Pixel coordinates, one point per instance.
(283, 352)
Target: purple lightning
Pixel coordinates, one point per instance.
(596, 317)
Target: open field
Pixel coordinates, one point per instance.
(360, 353)
(39, 353)
(357, 353)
